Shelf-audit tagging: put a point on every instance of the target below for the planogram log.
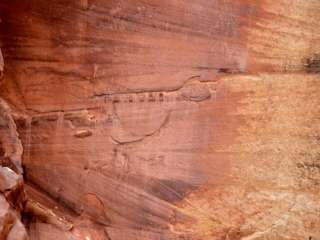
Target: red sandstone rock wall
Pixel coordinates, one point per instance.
(168, 119)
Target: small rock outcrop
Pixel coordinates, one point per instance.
(12, 194)
(12, 199)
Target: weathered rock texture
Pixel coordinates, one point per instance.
(10, 144)
(167, 119)
(11, 202)
(12, 195)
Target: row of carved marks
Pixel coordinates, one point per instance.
(193, 91)
(312, 64)
(308, 64)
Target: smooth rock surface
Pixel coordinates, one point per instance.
(9, 180)
(18, 232)
(150, 120)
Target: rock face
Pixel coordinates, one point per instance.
(12, 194)
(10, 145)
(164, 119)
